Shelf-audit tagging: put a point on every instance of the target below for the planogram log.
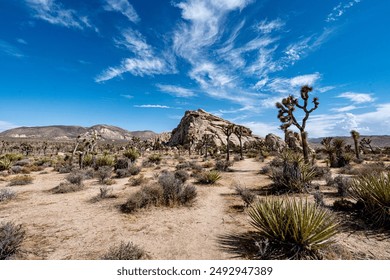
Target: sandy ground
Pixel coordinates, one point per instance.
(73, 226)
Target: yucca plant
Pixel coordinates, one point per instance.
(294, 175)
(209, 177)
(296, 227)
(373, 193)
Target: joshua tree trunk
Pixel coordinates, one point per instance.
(305, 146)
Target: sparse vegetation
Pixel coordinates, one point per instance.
(11, 238)
(293, 176)
(104, 174)
(6, 194)
(21, 180)
(372, 193)
(246, 195)
(125, 251)
(296, 228)
(209, 177)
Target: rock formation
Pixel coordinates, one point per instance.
(196, 125)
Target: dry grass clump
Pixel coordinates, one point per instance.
(137, 181)
(294, 228)
(11, 238)
(105, 192)
(366, 169)
(6, 194)
(209, 177)
(182, 175)
(372, 193)
(75, 177)
(127, 172)
(169, 191)
(21, 180)
(342, 184)
(125, 251)
(66, 187)
(155, 158)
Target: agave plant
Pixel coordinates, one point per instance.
(373, 193)
(299, 227)
(209, 177)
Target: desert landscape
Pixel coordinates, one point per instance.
(103, 193)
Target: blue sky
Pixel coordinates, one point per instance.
(140, 64)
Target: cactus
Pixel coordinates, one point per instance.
(287, 117)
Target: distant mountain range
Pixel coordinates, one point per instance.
(65, 132)
(379, 141)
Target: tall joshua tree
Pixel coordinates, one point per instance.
(239, 131)
(228, 130)
(287, 117)
(355, 135)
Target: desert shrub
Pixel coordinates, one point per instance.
(188, 194)
(11, 238)
(132, 154)
(223, 165)
(64, 169)
(5, 163)
(145, 197)
(23, 162)
(125, 251)
(89, 173)
(16, 169)
(122, 173)
(293, 176)
(121, 163)
(367, 169)
(66, 187)
(174, 192)
(277, 162)
(183, 165)
(319, 198)
(104, 174)
(295, 227)
(137, 181)
(75, 177)
(105, 192)
(373, 193)
(265, 170)
(88, 160)
(246, 195)
(134, 169)
(182, 175)
(155, 158)
(45, 162)
(320, 172)
(329, 179)
(343, 205)
(209, 177)
(342, 184)
(6, 194)
(207, 164)
(32, 168)
(21, 180)
(104, 160)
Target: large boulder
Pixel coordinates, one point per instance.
(195, 124)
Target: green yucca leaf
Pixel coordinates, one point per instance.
(295, 222)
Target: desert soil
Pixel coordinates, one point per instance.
(76, 226)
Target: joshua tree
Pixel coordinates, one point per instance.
(355, 135)
(239, 131)
(287, 117)
(365, 143)
(206, 142)
(228, 130)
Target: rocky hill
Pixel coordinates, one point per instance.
(195, 124)
(61, 132)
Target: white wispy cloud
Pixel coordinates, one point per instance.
(357, 97)
(6, 125)
(127, 96)
(267, 27)
(262, 129)
(135, 42)
(176, 90)
(123, 7)
(54, 13)
(152, 106)
(137, 67)
(144, 61)
(340, 9)
(21, 41)
(9, 49)
(345, 109)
